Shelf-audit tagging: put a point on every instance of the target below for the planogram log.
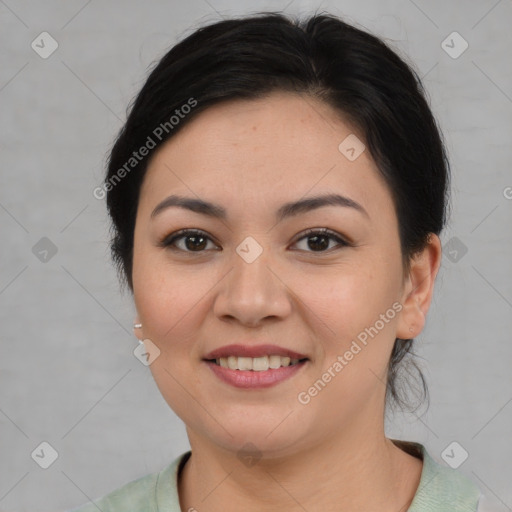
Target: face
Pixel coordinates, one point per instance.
(255, 277)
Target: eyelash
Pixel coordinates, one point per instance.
(169, 241)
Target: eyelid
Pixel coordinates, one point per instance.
(343, 241)
(168, 241)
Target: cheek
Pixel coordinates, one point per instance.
(354, 308)
(349, 298)
(174, 301)
(168, 299)
(171, 303)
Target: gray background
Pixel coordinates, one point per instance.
(68, 375)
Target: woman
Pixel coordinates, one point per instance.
(277, 195)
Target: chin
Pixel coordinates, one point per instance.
(261, 436)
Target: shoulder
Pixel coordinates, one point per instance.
(487, 504)
(442, 489)
(136, 495)
(142, 494)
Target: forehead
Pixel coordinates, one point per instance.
(266, 151)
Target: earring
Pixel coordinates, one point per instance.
(137, 326)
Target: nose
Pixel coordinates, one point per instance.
(252, 292)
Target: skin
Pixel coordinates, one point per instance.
(251, 157)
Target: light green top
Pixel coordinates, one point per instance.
(441, 489)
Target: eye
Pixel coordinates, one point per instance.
(319, 239)
(194, 240)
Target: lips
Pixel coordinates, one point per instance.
(239, 350)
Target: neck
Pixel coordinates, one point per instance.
(355, 471)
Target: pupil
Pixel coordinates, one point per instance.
(317, 244)
(194, 244)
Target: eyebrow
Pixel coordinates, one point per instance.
(285, 211)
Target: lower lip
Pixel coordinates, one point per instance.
(252, 379)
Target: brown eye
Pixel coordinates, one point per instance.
(192, 241)
(318, 240)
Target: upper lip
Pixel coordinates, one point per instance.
(253, 351)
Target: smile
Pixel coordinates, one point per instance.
(257, 364)
(255, 373)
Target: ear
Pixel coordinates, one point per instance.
(418, 289)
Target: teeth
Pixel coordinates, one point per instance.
(245, 363)
(257, 364)
(260, 364)
(274, 362)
